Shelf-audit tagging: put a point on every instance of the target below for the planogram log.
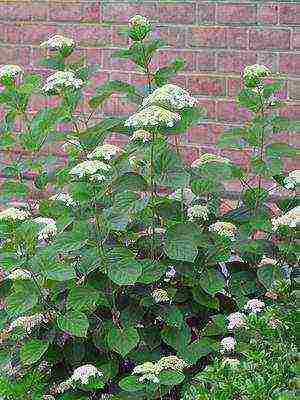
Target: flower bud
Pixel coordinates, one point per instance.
(140, 27)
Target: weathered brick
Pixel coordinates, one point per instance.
(296, 40)
(267, 14)
(239, 157)
(165, 56)
(213, 37)
(270, 39)
(209, 107)
(205, 133)
(237, 38)
(289, 14)
(20, 11)
(121, 12)
(206, 60)
(236, 14)
(206, 13)
(8, 55)
(292, 111)
(206, 85)
(234, 86)
(269, 59)
(229, 111)
(294, 90)
(179, 13)
(65, 11)
(289, 63)
(88, 35)
(234, 61)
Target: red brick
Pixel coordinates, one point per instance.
(20, 11)
(92, 11)
(189, 154)
(294, 91)
(236, 14)
(116, 64)
(229, 111)
(8, 55)
(206, 85)
(241, 158)
(166, 56)
(209, 106)
(289, 14)
(234, 86)
(270, 60)
(74, 12)
(289, 63)
(122, 12)
(205, 133)
(173, 36)
(237, 38)
(206, 60)
(30, 34)
(267, 14)
(270, 39)
(292, 111)
(88, 35)
(214, 37)
(296, 40)
(179, 13)
(206, 13)
(234, 61)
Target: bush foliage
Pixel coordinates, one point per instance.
(131, 282)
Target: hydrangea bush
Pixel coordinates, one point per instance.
(121, 275)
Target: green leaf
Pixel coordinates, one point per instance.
(189, 117)
(255, 196)
(20, 302)
(152, 271)
(212, 281)
(60, 272)
(163, 75)
(172, 316)
(131, 384)
(205, 299)
(130, 180)
(272, 88)
(32, 351)
(181, 242)
(123, 340)
(82, 298)
(171, 378)
(199, 348)
(268, 275)
(178, 338)
(249, 99)
(279, 149)
(217, 326)
(123, 268)
(109, 88)
(13, 189)
(73, 322)
(128, 202)
(232, 139)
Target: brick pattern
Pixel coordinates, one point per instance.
(217, 38)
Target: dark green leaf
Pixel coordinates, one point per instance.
(32, 351)
(123, 340)
(73, 322)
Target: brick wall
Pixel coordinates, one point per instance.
(217, 38)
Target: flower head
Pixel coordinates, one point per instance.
(146, 368)
(207, 158)
(227, 344)
(84, 373)
(171, 96)
(63, 198)
(149, 377)
(61, 80)
(142, 135)
(49, 228)
(224, 229)
(152, 116)
(254, 73)
(197, 212)
(19, 274)
(160, 296)
(106, 152)
(236, 320)
(90, 168)
(28, 323)
(171, 272)
(139, 20)
(231, 362)
(140, 27)
(10, 71)
(14, 214)
(172, 362)
(58, 42)
(291, 219)
(267, 261)
(254, 306)
(295, 175)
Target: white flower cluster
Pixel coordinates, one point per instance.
(171, 96)
(150, 371)
(61, 80)
(14, 214)
(207, 158)
(106, 151)
(63, 198)
(267, 261)
(90, 168)
(224, 229)
(292, 180)
(10, 71)
(19, 274)
(254, 306)
(142, 135)
(227, 344)
(231, 362)
(160, 296)
(197, 212)
(152, 116)
(183, 194)
(139, 21)
(58, 42)
(236, 320)
(256, 71)
(49, 228)
(81, 375)
(29, 323)
(291, 219)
